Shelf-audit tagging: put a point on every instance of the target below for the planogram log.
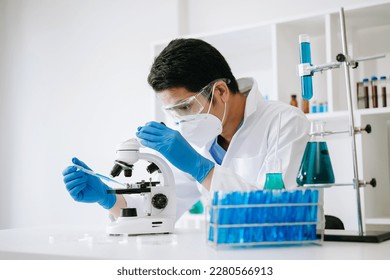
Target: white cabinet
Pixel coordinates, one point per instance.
(270, 53)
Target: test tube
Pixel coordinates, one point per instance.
(366, 83)
(384, 93)
(258, 216)
(213, 217)
(374, 87)
(305, 57)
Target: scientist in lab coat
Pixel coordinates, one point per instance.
(224, 134)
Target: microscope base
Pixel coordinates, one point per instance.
(351, 236)
(144, 225)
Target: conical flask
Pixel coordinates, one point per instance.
(316, 166)
(274, 179)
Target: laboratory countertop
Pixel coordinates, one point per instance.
(80, 242)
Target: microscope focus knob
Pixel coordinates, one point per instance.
(159, 201)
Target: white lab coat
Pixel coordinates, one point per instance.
(243, 167)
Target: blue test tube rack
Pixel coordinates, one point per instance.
(265, 217)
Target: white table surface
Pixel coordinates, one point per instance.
(76, 242)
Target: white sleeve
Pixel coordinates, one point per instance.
(224, 179)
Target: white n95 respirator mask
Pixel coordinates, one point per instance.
(200, 129)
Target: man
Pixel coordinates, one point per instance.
(225, 131)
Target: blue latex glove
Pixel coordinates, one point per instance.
(172, 145)
(87, 188)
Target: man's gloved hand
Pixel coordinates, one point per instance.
(87, 188)
(172, 145)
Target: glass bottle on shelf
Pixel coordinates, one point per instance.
(316, 166)
(374, 90)
(321, 107)
(360, 100)
(383, 91)
(294, 101)
(273, 179)
(366, 83)
(305, 106)
(314, 107)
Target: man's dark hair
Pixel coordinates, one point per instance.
(189, 63)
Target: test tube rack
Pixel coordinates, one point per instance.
(265, 218)
(345, 61)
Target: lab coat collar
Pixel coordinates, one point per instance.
(254, 96)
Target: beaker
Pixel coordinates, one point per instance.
(273, 179)
(316, 166)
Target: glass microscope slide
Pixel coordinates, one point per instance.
(90, 172)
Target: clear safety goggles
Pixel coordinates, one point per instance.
(193, 105)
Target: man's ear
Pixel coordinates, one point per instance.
(222, 90)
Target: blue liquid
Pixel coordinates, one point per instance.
(197, 208)
(316, 167)
(306, 81)
(275, 213)
(274, 181)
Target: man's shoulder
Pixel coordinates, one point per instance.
(273, 108)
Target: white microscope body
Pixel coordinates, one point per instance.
(160, 197)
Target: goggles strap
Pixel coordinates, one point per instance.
(211, 101)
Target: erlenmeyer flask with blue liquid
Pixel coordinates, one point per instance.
(316, 166)
(274, 179)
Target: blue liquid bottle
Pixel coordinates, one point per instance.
(316, 166)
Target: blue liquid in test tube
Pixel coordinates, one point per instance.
(224, 218)
(213, 215)
(305, 57)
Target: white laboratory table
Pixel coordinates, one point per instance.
(81, 242)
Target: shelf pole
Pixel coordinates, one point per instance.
(351, 120)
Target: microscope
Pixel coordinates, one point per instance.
(159, 197)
